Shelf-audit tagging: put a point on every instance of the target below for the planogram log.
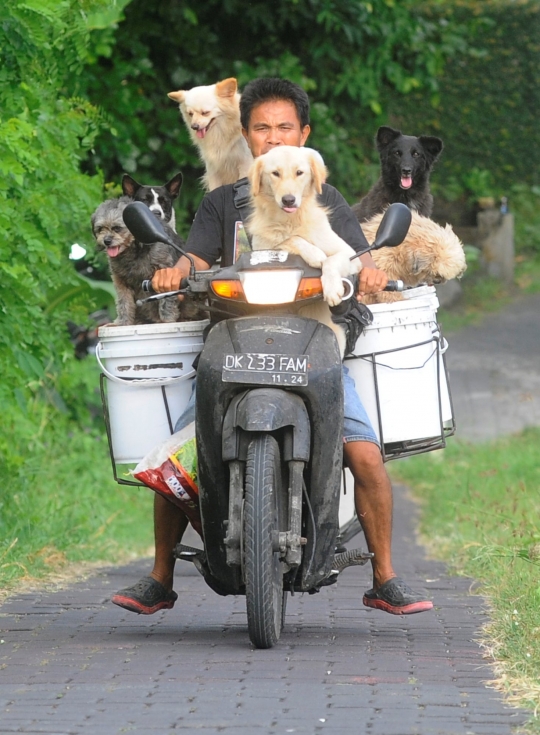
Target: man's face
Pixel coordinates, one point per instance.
(274, 123)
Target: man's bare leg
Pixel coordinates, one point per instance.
(374, 503)
(170, 523)
(154, 592)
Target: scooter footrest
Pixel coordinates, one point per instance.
(352, 558)
(188, 553)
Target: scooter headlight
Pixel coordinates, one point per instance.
(270, 287)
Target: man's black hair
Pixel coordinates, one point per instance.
(267, 89)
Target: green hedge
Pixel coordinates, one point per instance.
(486, 110)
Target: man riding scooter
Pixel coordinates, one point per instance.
(276, 112)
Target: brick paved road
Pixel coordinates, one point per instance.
(71, 663)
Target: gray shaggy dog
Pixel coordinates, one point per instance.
(131, 262)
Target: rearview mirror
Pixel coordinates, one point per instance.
(144, 225)
(394, 226)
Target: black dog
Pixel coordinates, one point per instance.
(406, 163)
(159, 199)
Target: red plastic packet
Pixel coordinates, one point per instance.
(170, 469)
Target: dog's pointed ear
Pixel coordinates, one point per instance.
(385, 135)
(129, 186)
(227, 88)
(174, 185)
(177, 96)
(319, 172)
(254, 176)
(432, 145)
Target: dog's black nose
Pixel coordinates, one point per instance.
(107, 240)
(406, 171)
(195, 126)
(288, 200)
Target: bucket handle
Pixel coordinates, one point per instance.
(443, 344)
(140, 382)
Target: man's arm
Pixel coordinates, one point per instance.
(346, 225)
(204, 244)
(168, 279)
(371, 279)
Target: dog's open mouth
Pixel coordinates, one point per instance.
(406, 182)
(289, 210)
(201, 132)
(113, 251)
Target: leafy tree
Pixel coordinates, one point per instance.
(46, 131)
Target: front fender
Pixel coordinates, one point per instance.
(267, 409)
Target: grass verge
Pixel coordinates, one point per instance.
(480, 514)
(58, 502)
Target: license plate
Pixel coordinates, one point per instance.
(265, 369)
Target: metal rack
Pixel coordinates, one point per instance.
(408, 448)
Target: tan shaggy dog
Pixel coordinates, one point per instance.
(430, 254)
(287, 216)
(212, 116)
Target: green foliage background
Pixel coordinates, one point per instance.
(346, 53)
(46, 131)
(486, 107)
(51, 445)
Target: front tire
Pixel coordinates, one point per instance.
(262, 566)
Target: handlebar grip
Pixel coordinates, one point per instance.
(395, 286)
(146, 285)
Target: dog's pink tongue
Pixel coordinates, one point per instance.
(406, 182)
(113, 252)
(201, 132)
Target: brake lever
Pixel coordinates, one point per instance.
(159, 296)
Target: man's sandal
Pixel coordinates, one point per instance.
(397, 598)
(146, 597)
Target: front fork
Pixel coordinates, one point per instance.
(289, 543)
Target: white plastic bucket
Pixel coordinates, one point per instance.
(149, 371)
(399, 358)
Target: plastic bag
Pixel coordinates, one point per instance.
(170, 469)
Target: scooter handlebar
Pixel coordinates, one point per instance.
(146, 285)
(395, 286)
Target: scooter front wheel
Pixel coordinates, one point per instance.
(262, 566)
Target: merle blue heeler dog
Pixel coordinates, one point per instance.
(406, 163)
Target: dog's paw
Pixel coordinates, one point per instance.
(313, 255)
(333, 288)
(316, 258)
(169, 310)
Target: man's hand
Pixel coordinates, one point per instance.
(371, 280)
(168, 279)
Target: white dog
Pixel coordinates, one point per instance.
(287, 216)
(212, 116)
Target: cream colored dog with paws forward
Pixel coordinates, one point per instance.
(287, 216)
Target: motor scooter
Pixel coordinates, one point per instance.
(269, 428)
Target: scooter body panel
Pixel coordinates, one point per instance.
(322, 399)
